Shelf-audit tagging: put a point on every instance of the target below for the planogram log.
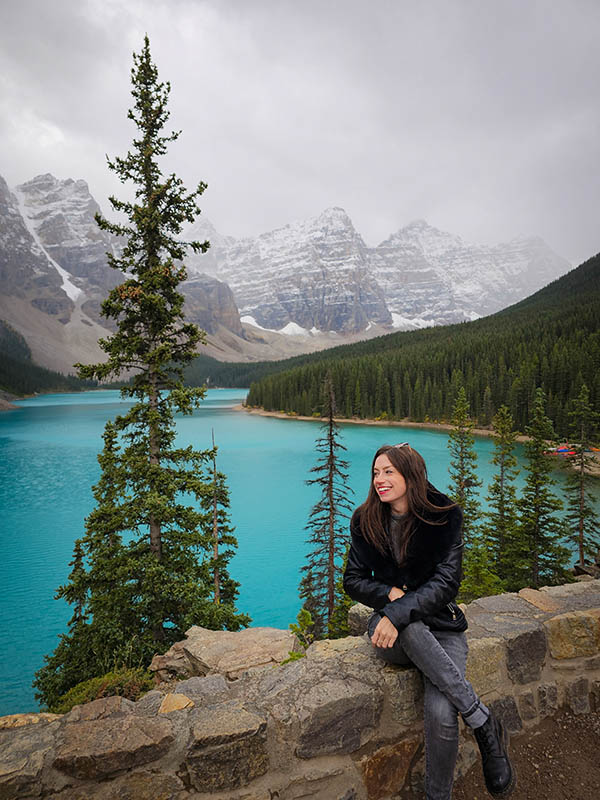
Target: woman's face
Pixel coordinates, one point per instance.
(390, 484)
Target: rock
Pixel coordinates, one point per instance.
(101, 747)
(173, 662)
(539, 599)
(385, 771)
(149, 704)
(527, 708)
(100, 709)
(506, 710)
(22, 755)
(334, 716)
(175, 702)
(230, 653)
(484, 664)
(205, 690)
(574, 634)
(228, 748)
(139, 785)
(404, 689)
(18, 720)
(526, 656)
(358, 616)
(577, 696)
(547, 699)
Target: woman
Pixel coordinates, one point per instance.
(405, 562)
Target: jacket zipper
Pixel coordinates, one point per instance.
(452, 611)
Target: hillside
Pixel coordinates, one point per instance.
(551, 339)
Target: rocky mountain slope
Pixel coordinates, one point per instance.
(319, 275)
(308, 285)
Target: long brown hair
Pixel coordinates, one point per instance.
(375, 514)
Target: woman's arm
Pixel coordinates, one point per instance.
(359, 582)
(436, 592)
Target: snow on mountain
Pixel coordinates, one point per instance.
(314, 273)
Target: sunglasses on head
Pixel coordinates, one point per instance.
(402, 444)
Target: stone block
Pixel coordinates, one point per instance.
(508, 603)
(138, 785)
(174, 701)
(149, 704)
(385, 771)
(540, 600)
(96, 748)
(404, 690)
(337, 715)
(227, 749)
(574, 634)
(19, 720)
(577, 696)
(595, 695)
(358, 616)
(102, 708)
(547, 699)
(231, 653)
(527, 707)
(22, 754)
(484, 664)
(205, 690)
(506, 710)
(526, 655)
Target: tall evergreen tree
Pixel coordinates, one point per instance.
(500, 525)
(542, 558)
(137, 580)
(463, 465)
(582, 517)
(327, 521)
(217, 527)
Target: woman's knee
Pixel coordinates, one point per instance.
(412, 632)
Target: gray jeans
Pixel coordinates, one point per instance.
(441, 656)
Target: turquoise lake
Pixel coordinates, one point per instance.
(48, 449)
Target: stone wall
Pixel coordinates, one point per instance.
(338, 724)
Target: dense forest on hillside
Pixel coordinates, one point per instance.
(19, 375)
(551, 339)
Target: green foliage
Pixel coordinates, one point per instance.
(546, 340)
(141, 573)
(463, 466)
(125, 682)
(500, 524)
(327, 521)
(303, 628)
(20, 376)
(479, 579)
(582, 517)
(536, 556)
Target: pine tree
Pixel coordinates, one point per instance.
(137, 581)
(499, 528)
(581, 516)
(463, 465)
(327, 520)
(542, 557)
(217, 526)
(338, 624)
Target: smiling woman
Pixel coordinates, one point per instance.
(405, 562)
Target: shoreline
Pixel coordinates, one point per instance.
(435, 426)
(382, 423)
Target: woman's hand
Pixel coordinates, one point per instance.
(394, 593)
(385, 634)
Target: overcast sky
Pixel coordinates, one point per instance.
(483, 117)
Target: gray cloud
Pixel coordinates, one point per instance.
(481, 117)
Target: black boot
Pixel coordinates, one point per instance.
(498, 772)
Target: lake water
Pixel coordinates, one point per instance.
(48, 449)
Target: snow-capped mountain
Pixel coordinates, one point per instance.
(319, 274)
(312, 280)
(437, 277)
(54, 274)
(312, 274)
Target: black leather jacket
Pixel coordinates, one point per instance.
(430, 574)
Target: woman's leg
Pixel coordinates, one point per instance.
(441, 725)
(417, 644)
